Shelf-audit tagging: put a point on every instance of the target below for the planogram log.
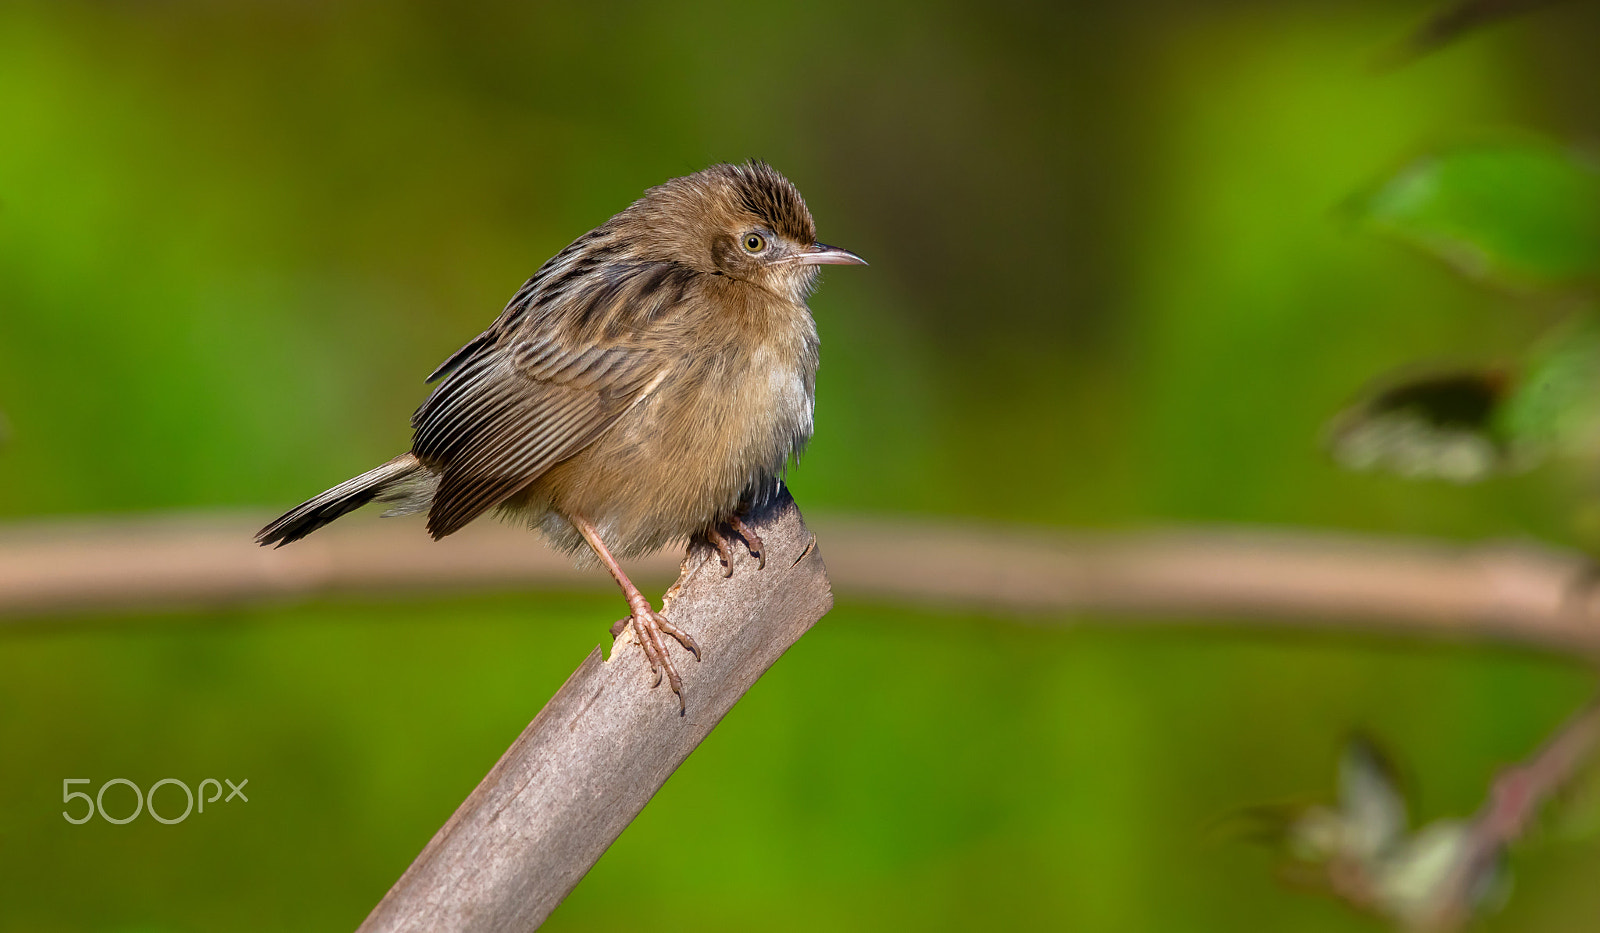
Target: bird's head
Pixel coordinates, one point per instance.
(746, 222)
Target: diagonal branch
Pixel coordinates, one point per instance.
(603, 746)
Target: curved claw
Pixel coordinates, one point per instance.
(752, 542)
(648, 626)
(724, 552)
(683, 638)
(758, 550)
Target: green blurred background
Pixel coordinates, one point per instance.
(1110, 287)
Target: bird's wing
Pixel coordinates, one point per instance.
(518, 400)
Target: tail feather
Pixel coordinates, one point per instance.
(402, 479)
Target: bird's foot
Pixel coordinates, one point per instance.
(752, 541)
(648, 628)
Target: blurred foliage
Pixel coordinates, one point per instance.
(1513, 213)
(1524, 216)
(1557, 404)
(1364, 850)
(1468, 425)
(1443, 426)
(1107, 288)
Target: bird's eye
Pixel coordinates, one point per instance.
(755, 242)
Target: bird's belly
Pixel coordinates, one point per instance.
(688, 454)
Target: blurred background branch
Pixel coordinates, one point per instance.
(1515, 800)
(1516, 593)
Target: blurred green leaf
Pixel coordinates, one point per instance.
(1522, 214)
(1555, 404)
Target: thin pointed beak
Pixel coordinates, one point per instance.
(822, 254)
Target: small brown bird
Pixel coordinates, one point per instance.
(647, 385)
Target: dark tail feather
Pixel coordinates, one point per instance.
(394, 480)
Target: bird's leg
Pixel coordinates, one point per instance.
(648, 624)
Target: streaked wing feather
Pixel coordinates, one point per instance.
(502, 469)
(567, 357)
(472, 348)
(503, 418)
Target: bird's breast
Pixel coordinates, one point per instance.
(734, 405)
(733, 413)
(756, 400)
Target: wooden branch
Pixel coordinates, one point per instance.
(1519, 593)
(602, 747)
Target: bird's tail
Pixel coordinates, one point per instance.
(403, 480)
